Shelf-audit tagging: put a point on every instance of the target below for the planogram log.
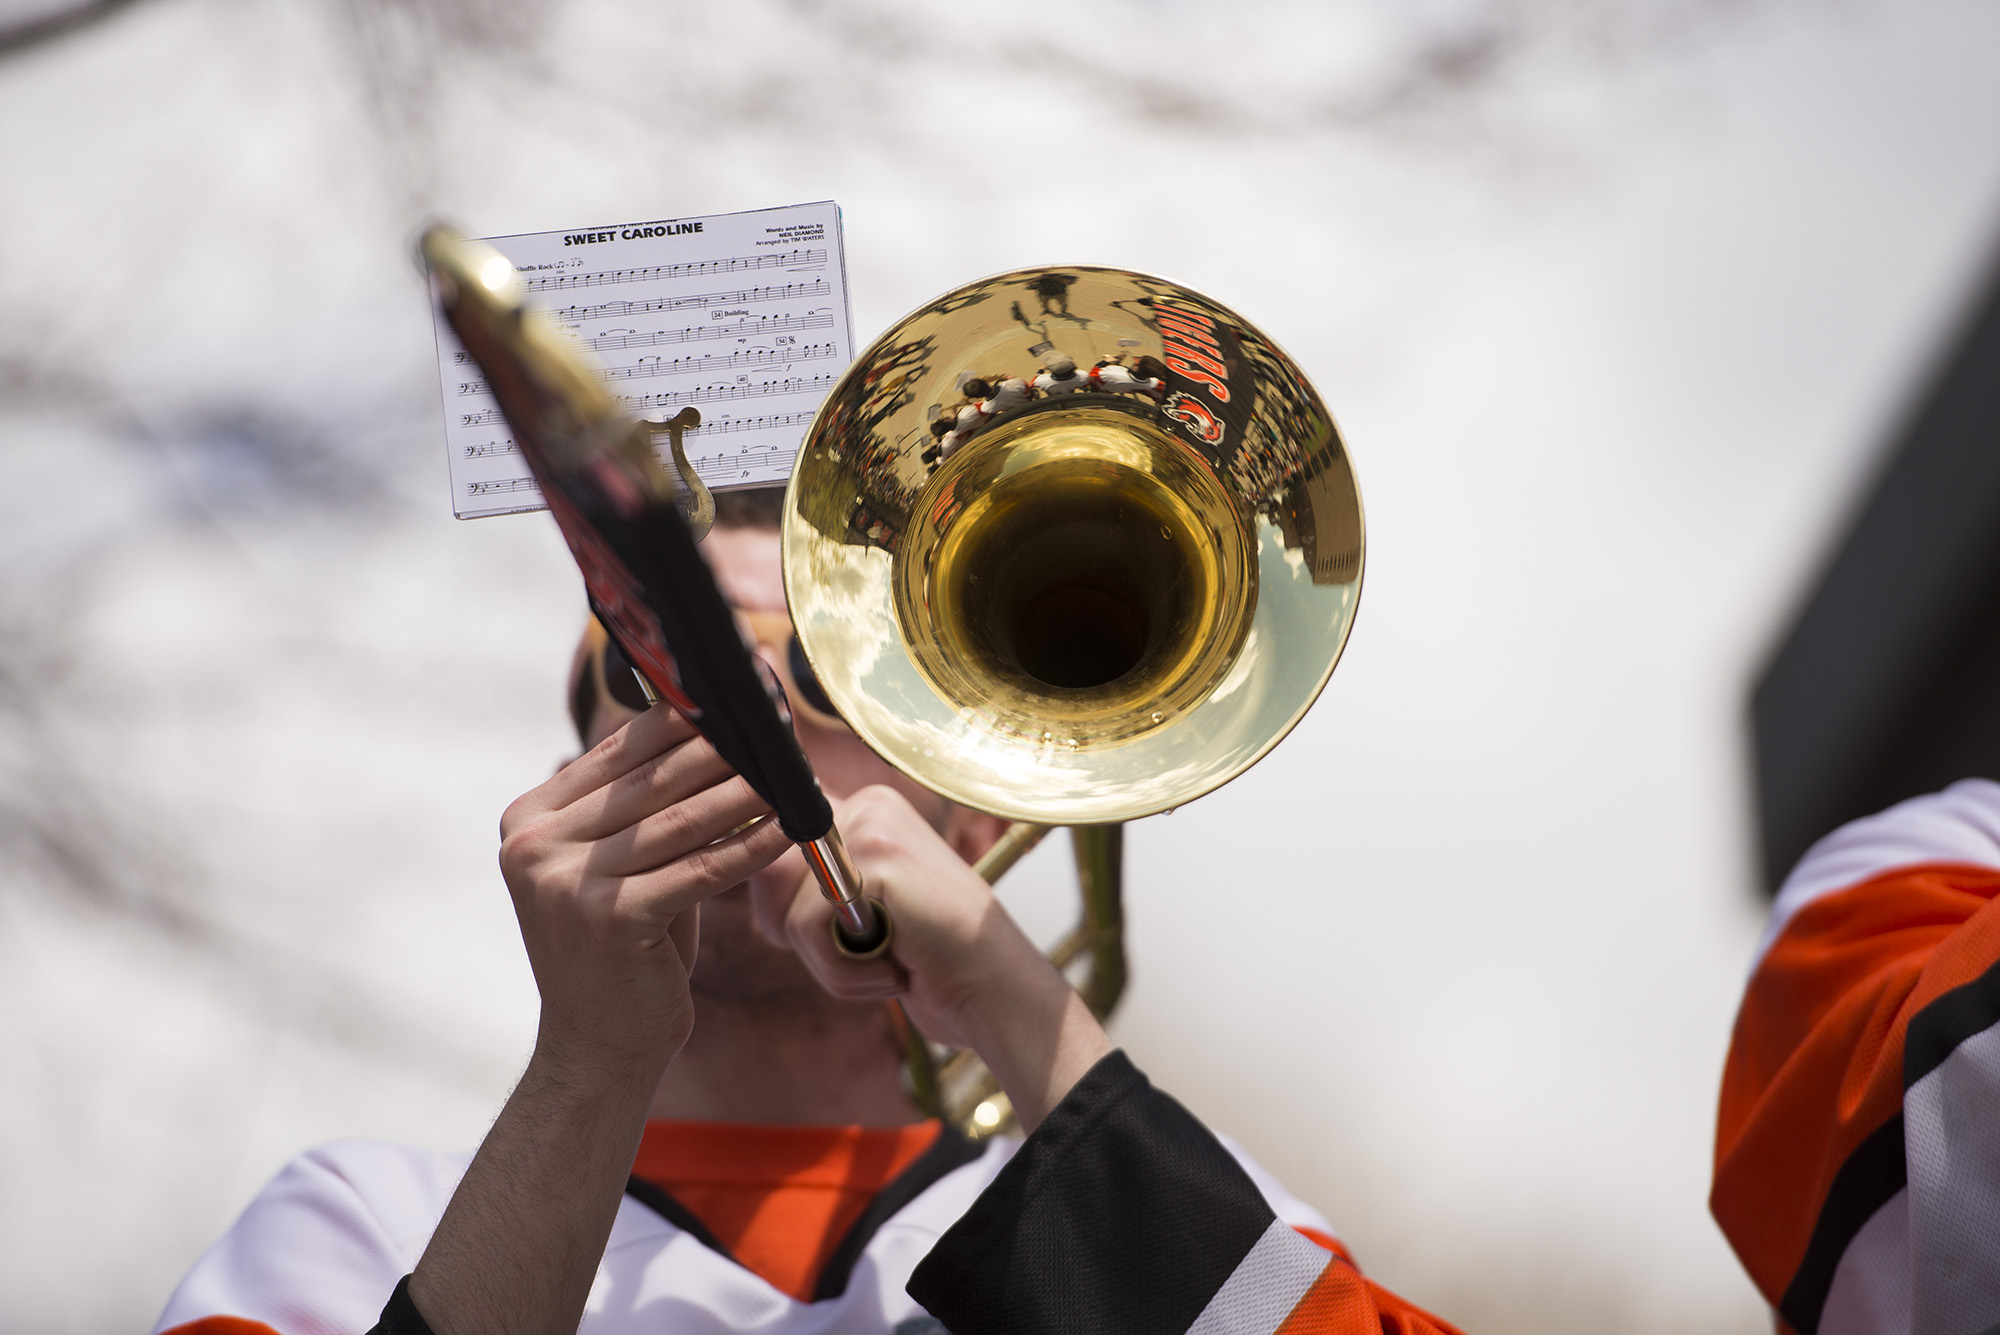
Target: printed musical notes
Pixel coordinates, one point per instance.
(794, 259)
(817, 385)
(657, 366)
(718, 469)
(781, 421)
(756, 353)
(503, 486)
(748, 326)
(612, 310)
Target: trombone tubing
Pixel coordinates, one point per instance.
(838, 879)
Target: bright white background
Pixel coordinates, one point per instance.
(1616, 301)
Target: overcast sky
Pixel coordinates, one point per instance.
(1615, 301)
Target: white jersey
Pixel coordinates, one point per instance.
(1008, 395)
(1114, 378)
(320, 1249)
(1078, 383)
(1857, 1170)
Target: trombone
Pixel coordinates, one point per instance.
(1070, 546)
(1070, 596)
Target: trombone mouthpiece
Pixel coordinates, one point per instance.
(861, 929)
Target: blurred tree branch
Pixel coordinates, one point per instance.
(68, 833)
(26, 34)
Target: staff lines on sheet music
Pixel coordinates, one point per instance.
(748, 459)
(612, 309)
(707, 463)
(505, 484)
(724, 393)
(749, 326)
(709, 394)
(810, 352)
(728, 424)
(791, 259)
(640, 403)
(714, 427)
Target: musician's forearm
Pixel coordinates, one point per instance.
(1036, 1035)
(963, 968)
(521, 1240)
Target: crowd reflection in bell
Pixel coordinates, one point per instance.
(987, 398)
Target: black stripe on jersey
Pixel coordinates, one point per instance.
(400, 1316)
(1872, 1174)
(1120, 1213)
(1878, 1168)
(1935, 1032)
(664, 1205)
(947, 1154)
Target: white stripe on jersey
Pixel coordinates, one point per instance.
(1952, 1149)
(1870, 1293)
(1960, 824)
(1266, 1284)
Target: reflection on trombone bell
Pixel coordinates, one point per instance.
(1067, 596)
(988, 399)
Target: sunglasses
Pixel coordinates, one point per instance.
(608, 674)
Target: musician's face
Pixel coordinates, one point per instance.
(746, 565)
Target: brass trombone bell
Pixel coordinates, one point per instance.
(1073, 546)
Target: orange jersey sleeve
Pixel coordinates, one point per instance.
(1855, 1173)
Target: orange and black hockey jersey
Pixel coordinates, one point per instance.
(1857, 1169)
(1120, 1213)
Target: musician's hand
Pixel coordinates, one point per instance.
(607, 863)
(964, 970)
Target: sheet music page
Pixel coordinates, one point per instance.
(743, 315)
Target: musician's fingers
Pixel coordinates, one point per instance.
(678, 829)
(650, 902)
(653, 785)
(658, 730)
